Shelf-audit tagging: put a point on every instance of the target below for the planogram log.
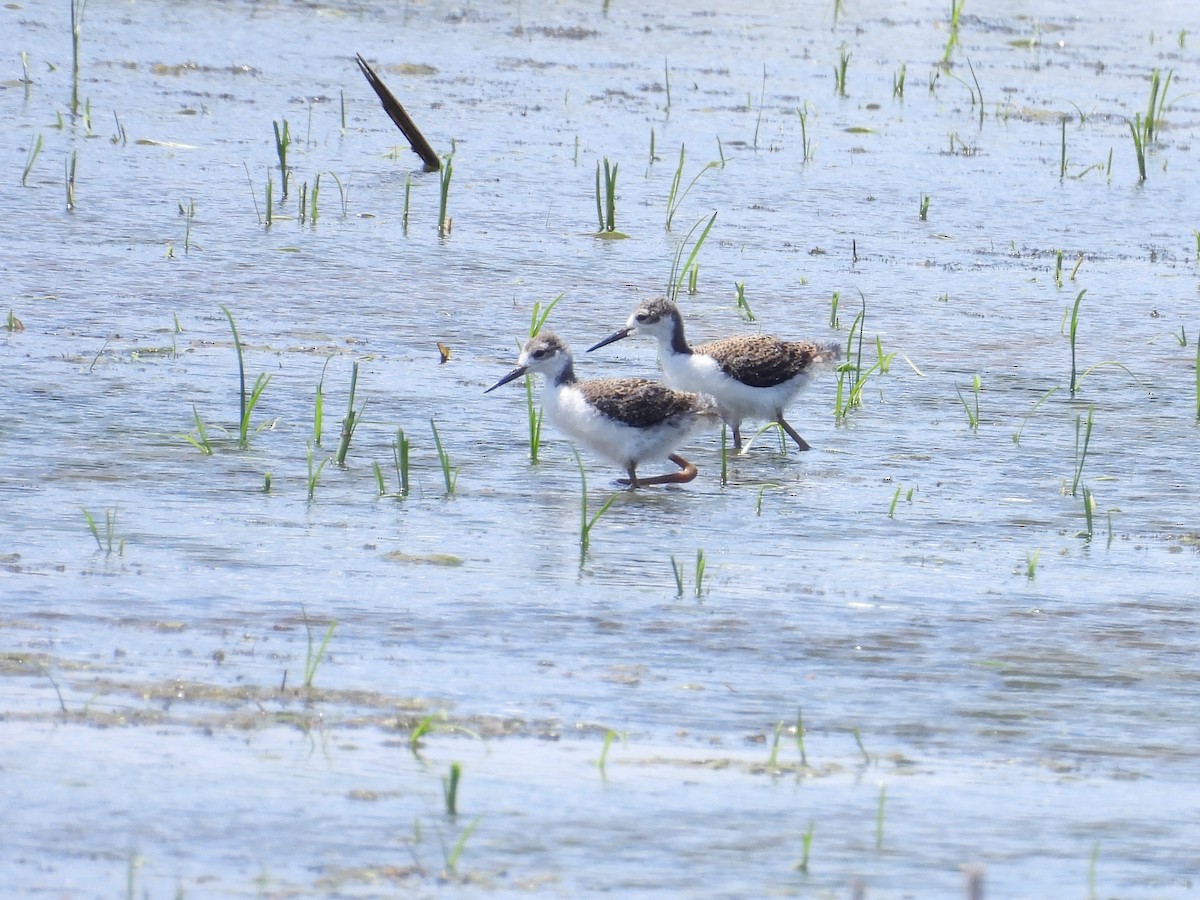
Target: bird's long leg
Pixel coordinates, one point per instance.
(687, 473)
(737, 437)
(633, 481)
(800, 442)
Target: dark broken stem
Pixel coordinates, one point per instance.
(406, 125)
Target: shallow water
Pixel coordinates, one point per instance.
(1037, 727)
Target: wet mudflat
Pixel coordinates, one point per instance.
(978, 596)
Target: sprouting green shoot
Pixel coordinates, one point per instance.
(1071, 335)
(1017, 434)
(108, 543)
(923, 212)
(456, 851)
(400, 451)
(586, 524)
(1089, 507)
(1081, 446)
(762, 98)
(806, 847)
(956, 8)
(269, 218)
(833, 310)
(1093, 858)
(69, 181)
(674, 196)
(679, 275)
(800, 737)
(895, 500)
(861, 749)
(972, 414)
(699, 571)
(350, 422)
(609, 737)
(1058, 258)
(839, 71)
(667, 81)
(773, 759)
(313, 657)
(424, 727)
(805, 141)
(1031, 564)
(677, 571)
(319, 405)
(879, 812)
(283, 140)
(606, 201)
(407, 199)
(447, 172)
(200, 441)
(34, 149)
(743, 306)
(1139, 144)
(312, 210)
(76, 33)
(248, 401)
(449, 473)
(898, 81)
(1062, 156)
(450, 789)
(314, 473)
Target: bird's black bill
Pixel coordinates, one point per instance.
(611, 339)
(515, 373)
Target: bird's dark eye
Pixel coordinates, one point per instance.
(538, 354)
(647, 318)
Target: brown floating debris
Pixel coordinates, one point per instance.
(393, 108)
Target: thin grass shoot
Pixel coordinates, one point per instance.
(314, 652)
(449, 472)
(35, 150)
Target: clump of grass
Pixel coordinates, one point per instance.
(450, 789)
(108, 543)
(852, 377)
(449, 473)
(312, 658)
(606, 201)
(674, 196)
(248, 400)
(839, 71)
(1031, 564)
(283, 140)
(446, 173)
(34, 150)
(1157, 104)
(350, 422)
(898, 81)
(972, 414)
(1071, 334)
(586, 523)
(923, 212)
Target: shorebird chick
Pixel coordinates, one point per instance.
(751, 376)
(625, 420)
